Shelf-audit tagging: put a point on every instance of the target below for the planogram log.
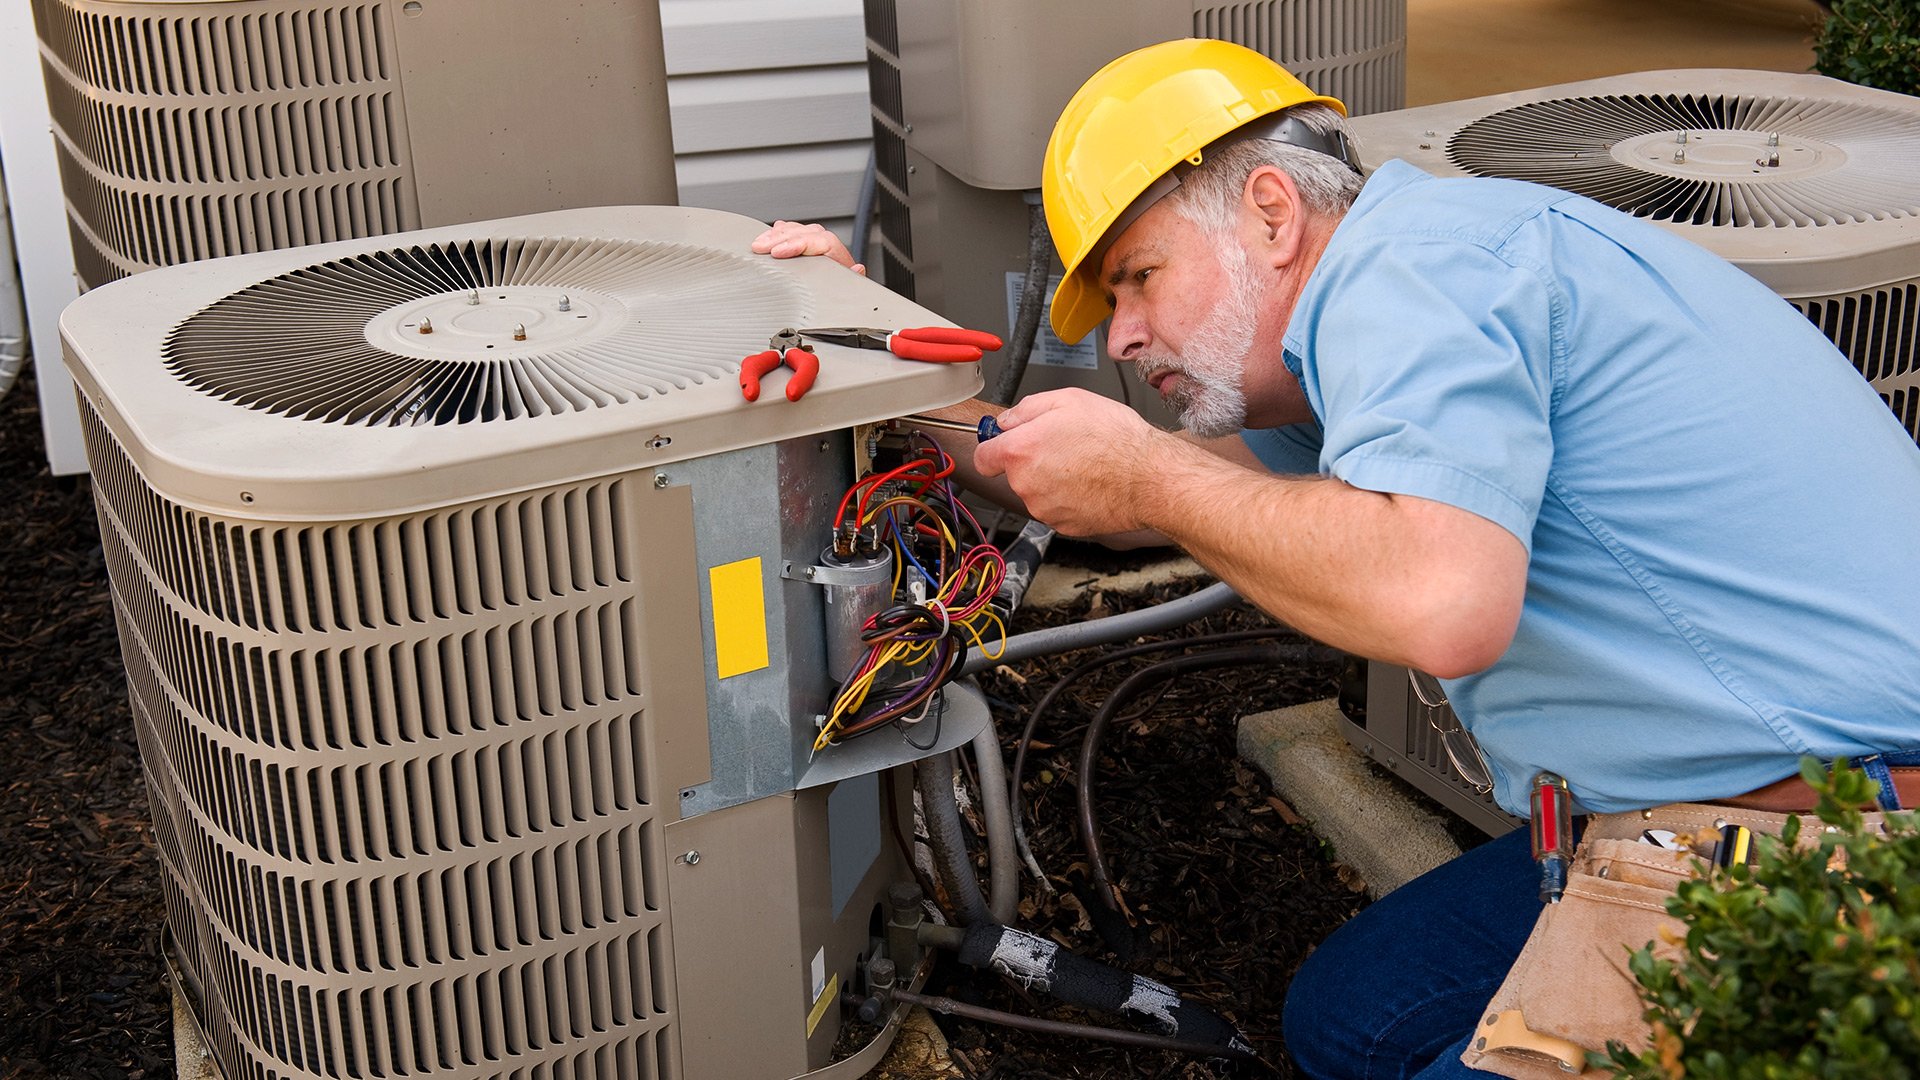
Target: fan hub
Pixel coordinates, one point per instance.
(483, 324)
(1728, 154)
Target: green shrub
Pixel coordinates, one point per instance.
(1873, 43)
(1806, 964)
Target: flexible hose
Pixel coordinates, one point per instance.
(949, 840)
(1090, 743)
(1033, 293)
(946, 1006)
(1003, 872)
(1086, 635)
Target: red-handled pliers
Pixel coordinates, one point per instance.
(931, 344)
(786, 348)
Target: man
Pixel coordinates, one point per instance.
(1639, 516)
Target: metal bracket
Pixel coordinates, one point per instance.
(820, 574)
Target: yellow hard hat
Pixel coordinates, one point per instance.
(1130, 125)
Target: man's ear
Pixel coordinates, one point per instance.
(1274, 199)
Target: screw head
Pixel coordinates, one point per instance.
(660, 480)
(691, 858)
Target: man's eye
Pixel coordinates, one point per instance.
(1142, 273)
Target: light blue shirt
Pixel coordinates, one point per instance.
(1722, 516)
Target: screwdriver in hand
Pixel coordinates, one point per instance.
(986, 429)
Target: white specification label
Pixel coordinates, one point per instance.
(1047, 349)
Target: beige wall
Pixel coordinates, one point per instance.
(1469, 48)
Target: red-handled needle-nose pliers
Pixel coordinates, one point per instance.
(930, 344)
(786, 348)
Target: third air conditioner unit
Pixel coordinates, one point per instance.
(1806, 183)
(965, 93)
(474, 646)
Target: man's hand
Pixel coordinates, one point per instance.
(1073, 458)
(792, 239)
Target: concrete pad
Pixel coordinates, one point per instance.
(192, 1059)
(1372, 826)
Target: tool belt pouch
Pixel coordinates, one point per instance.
(1571, 992)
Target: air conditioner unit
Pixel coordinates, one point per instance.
(473, 650)
(194, 130)
(964, 96)
(1804, 182)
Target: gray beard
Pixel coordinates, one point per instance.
(1210, 398)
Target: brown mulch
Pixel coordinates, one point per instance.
(1226, 893)
(81, 990)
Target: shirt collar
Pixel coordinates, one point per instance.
(1386, 181)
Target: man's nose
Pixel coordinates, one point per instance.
(1127, 335)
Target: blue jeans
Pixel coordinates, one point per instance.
(1396, 992)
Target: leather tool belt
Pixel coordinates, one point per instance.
(1570, 991)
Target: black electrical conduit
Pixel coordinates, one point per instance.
(1236, 656)
(1033, 292)
(863, 208)
(1017, 796)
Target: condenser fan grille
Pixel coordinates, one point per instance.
(483, 330)
(1707, 159)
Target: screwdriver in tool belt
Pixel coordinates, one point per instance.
(986, 429)
(1552, 826)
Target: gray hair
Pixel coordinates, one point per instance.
(1210, 195)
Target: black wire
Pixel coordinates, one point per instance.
(1098, 662)
(1090, 742)
(939, 708)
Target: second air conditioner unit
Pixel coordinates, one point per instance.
(473, 649)
(1805, 182)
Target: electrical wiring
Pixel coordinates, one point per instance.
(945, 578)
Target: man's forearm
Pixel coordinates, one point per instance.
(1390, 577)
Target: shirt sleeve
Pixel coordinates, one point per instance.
(1431, 362)
(1293, 450)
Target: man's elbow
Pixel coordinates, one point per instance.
(1455, 639)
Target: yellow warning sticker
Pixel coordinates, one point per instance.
(739, 617)
(820, 1004)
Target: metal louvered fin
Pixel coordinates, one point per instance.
(483, 330)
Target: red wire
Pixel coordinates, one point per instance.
(872, 482)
